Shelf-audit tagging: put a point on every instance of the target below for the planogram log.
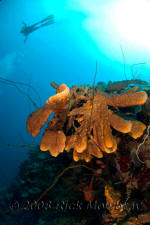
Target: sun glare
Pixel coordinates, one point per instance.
(109, 22)
(131, 19)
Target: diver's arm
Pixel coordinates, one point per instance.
(26, 38)
(25, 25)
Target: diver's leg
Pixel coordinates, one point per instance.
(50, 21)
(50, 17)
(47, 23)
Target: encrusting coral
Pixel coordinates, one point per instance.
(83, 121)
(119, 211)
(113, 201)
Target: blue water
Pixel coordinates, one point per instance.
(64, 52)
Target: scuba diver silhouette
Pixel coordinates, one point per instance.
(26, 30)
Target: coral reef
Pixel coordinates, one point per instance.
(139, 220)
(102, 189)
(118, 85)
(83, 121)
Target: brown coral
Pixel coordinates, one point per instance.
(88, 117)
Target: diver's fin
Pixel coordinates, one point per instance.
(47, 18)
(47, 23)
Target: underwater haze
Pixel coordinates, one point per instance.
(84, 32)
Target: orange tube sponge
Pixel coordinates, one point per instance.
(56, 103)
(82, 156)
(120, 124)
(94, 150)
(127, 99)
(78, 143)
(137, 129)
(54, 141)
(37, 119)
(83, 121)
